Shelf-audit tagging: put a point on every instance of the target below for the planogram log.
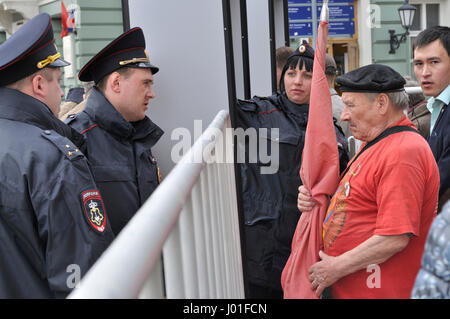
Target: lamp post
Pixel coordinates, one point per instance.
(406, 13)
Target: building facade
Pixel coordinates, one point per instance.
(359, 29)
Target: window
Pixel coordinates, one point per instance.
(417, 17)
(432, 11)
(427, 15)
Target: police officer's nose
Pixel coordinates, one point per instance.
(151, 94)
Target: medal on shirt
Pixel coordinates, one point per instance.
(347, 189)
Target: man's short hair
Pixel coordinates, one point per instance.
(432, 34)
(399, 100)
(330, 66)
(125, 72)
(282, 54)
(46, 73)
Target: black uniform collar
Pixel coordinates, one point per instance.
(107, 117)
(291, 107)
(18, 106)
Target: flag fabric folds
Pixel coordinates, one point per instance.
(320, 175)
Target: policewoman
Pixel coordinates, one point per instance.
(118, 133)
(52, 217)
(270, 200)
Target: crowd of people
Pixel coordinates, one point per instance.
(74, 174)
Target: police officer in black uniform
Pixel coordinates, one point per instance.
(119, 134)
(53, 224)
(270, 200)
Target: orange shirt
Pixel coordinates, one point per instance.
(391, 189)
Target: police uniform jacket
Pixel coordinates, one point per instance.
(270, 200)
(439, 141)
(47, 237)
(120, 156)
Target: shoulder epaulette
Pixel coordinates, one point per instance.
(62, 143)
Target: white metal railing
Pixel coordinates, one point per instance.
(192, 218)
(413, 89)
(353, 146)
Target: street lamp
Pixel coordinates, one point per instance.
(406, 13)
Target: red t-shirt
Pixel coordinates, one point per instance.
(391, 189)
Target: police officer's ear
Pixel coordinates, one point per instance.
(38, 85)
(113, 83)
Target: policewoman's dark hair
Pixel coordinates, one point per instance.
(305, 58)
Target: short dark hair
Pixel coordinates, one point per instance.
(432, 34)
(101, 85)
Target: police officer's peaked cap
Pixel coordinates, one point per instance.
(304, 50)
(127, 50)
(28, 50)
(376, 78)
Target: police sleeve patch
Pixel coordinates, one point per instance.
(94, 209)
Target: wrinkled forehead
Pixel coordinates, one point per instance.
(353, 98)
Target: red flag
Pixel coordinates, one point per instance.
(64, 19)
(319, 173)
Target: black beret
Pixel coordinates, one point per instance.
(127, 50)
(304, 50)
(376, 78)
(28, 50)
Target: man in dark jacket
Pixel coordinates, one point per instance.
(118, 133)
(53, 225)
(432, 69)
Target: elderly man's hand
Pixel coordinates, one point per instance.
(323, 273)
(305, 203)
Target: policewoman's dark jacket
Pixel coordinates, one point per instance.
(439, 141)
(47, 199)
(120, 156)
(270, 200)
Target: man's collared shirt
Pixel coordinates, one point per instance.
(435, 105)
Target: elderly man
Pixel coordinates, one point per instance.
(378, 219)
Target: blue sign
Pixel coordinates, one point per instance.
(338, 12)
(300, 29)
(341, 27)
(294, 2)
(298, 1)
(300, 13)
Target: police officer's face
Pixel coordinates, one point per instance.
(136, 93)
(432, 68)
(298, 85)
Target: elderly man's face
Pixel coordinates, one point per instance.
(362, 115)
(432, 68)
